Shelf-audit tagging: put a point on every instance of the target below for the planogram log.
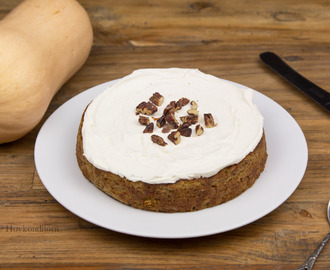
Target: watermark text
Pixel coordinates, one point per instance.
(30, 229)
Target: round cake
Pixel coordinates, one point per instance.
(172, 140)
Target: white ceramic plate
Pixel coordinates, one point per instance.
(58, 169)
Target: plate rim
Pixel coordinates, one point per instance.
(93, 91)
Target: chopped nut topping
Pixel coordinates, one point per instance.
(141, 106)
(146, 108)
(180, 103)
(167, 128)
(208, 119)
(191, 119)
(199, 130)
(193, 105)
(184, 101)
(169, 107)
(192, 112)
(185, 132)
(184, 125)
(178, 106)
(161, 121)
(143, 120)
(174, 137)
(149, 128)
(158, 140)
(157, 99)
(170, 118)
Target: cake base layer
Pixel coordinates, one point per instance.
(183, 196)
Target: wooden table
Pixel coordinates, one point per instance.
(223, 38)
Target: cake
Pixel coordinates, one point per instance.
(172, 140)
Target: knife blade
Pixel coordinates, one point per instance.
(319, 95)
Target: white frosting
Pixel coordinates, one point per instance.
(114, 141)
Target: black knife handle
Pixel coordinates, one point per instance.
(318, 94)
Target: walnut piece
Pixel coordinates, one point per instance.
(184, 101)
(193, 105)
(146, 108)
(161, 121)
(208, 119)
(158, 140)
(167, 128)
(199, 130)
(144, 120)
(149, 128)
(185, 132)
(184, 125)
(170, 106)
(191, 119)
(157, 99)
(193, 112)
(180, 103)
(170, 118)
(174, 137)
(185, 129)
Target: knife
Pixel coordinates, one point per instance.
(316, 93)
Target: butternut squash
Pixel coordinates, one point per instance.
(42, 44)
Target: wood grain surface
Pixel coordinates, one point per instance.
(223, 38)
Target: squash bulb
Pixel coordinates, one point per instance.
(43, 43)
